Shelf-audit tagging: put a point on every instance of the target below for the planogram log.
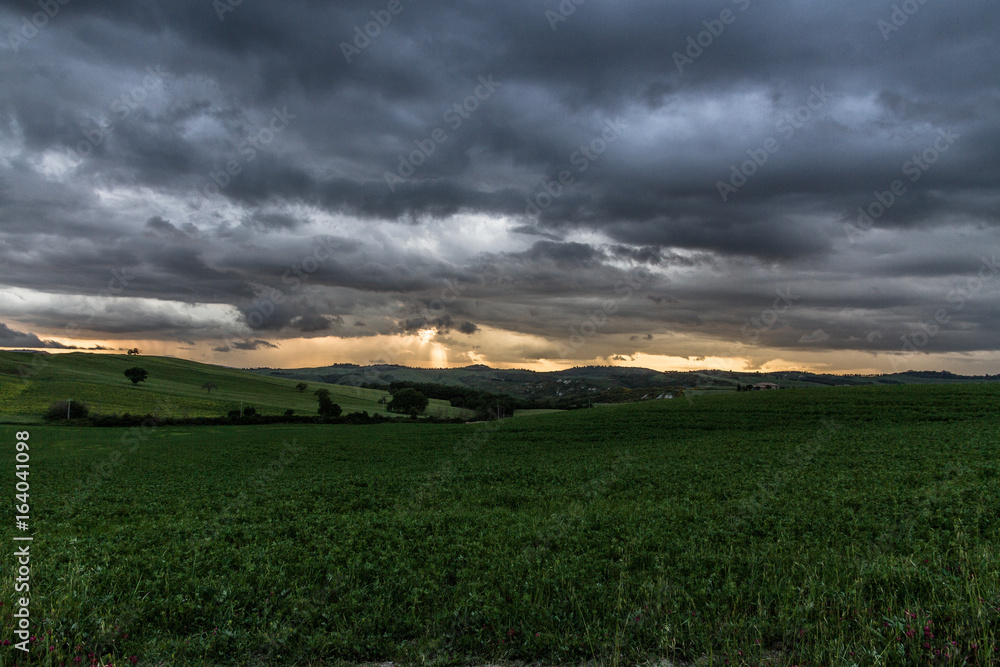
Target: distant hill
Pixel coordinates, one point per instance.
(29, 383)
(523, 383)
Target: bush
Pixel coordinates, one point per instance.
(56, 411)
(408, 401)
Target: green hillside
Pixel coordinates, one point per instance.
(583, 380)
(29, 383)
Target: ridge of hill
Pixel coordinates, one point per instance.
(539, 385)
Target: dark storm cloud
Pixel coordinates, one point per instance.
(252, 344)
(158, 152)
(11, 338)
(18, 339)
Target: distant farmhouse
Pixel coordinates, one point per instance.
(764, 386)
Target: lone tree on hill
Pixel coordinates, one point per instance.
(408, 401)
(132, 351)
(327, 408)
(209, 386)
(136, 374)
(302, 386)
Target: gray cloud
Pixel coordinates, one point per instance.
(143, 170)
(252, 344)
(11, 338)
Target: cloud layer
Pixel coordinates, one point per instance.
(504, 182)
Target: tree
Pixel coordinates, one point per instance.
(302, 386)
(327, 408)
(247, 412)
(132, 351)
(58, 410)
(209, 386)
(408, 401)
(136, 374)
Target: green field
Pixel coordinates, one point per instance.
(29, 383)
(851, 526)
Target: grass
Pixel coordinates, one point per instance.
(29, 383)
(532, 412)
(852, 526)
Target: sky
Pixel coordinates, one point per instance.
(739, 184)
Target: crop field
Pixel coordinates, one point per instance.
(846, 526)
(30, 383)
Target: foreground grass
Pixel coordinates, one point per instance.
(819, 527)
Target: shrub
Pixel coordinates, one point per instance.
(77, 410)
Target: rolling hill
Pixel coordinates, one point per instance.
(528, 384)
(30, 382)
